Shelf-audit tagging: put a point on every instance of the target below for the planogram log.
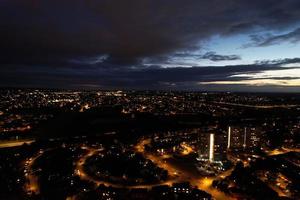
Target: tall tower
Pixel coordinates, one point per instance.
(245, 137)
(229, 137)
(211, 147)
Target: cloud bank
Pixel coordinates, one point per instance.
(106, 42)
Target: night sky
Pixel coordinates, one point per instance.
(217, 45)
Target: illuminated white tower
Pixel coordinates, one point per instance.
(229, 137)
(211, 147)
(245, 137)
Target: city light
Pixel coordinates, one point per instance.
(97, 144)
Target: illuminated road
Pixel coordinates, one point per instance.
(79, 170)
(186, 149)
(281, 151)
(15, 143)
(280, 191)
(205, 184)
(31, 186)
(175, 174)
(278, 185)
(179, 175)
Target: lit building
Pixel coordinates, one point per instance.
(237, 138)
(211, 147)
(211, 153)
(247, 137)
(229, 137)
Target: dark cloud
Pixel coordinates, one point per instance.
(139, 77)
(117, 43)
(213, 56)
(56, 31)
(270, 39)
(284, 61)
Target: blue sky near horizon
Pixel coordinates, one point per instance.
(233, 45)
